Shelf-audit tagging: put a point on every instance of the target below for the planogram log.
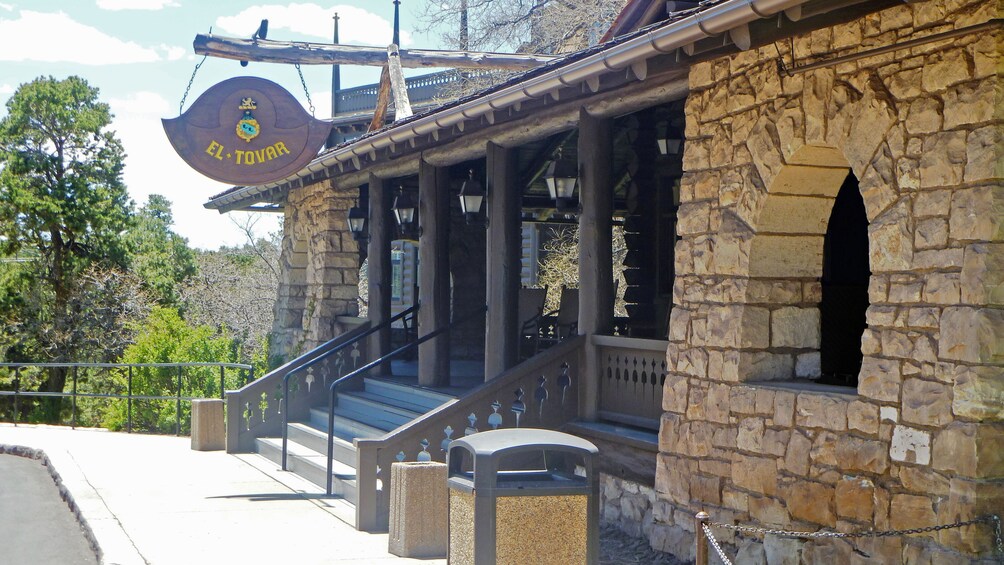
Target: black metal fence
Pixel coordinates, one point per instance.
(147, 397)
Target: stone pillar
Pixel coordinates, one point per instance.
(381, 232)
(596, 285)
(433, 273)
(419, 517)
(208, 430)
(503, 260)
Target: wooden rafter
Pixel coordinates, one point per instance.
(304, 53)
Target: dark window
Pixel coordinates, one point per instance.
(845, 287)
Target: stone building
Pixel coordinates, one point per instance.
(826, 244)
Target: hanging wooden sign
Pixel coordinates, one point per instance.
(246, 131)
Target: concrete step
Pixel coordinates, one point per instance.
(410, 397)
(375, 410)
(313, 438)
(346, 427)
(311, 465)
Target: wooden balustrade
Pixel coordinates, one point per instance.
(632, 374)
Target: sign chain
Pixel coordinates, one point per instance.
(310, 102)
(181, 106)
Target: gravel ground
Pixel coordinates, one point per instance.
(616, 548)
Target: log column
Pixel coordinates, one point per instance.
(503, 261)
(596, 285)
(381, 233)
(434, 273)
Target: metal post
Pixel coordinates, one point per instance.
(700, 520)
(129, 401)
(17, 390)
(223, 391)
(177, 411)
(73, 415)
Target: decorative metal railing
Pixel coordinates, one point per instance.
(421, 89)
(306, 369)
(256, 410)
(89, 382)
(542, 392)
(632, 374)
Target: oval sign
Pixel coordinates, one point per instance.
(246, 131)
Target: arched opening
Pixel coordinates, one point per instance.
(844, 287)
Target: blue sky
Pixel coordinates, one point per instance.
(139, 54)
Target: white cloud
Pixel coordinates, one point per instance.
(6, 89)
(355, 25)
(6, 7)
(136, 4)
(44, 37)
(172, 52)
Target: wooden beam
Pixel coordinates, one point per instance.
(304, 53)
(503, 262)
(596, 285)
(402, 107)
(383, 100)
(434, 274)
(381, 232)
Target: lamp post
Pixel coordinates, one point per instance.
(472, 194)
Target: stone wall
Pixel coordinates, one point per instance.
(627, 505)
(920, 441)
(320, 269)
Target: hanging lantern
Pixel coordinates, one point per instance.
(472, 194)
(561, 176)
(670, 140)
(357, 222)
(404, 209)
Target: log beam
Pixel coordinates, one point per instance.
(434, 274)
(306, 53)
(381, 232)
(503, 266)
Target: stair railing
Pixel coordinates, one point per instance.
(333, 388)
(322, 357)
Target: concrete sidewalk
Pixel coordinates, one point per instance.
(151, 499)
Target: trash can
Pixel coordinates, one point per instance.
(523, 495)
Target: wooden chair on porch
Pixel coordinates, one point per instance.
(531, 311)
(558, 325)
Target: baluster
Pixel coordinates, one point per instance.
(495, 419)
(471, 427)
(424, 455)
(444, 445)
(564, 382)
(540, 395)
(518, 407)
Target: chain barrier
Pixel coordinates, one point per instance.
(305, 91)
(992, 520)
(181, 106)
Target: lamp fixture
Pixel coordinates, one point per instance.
(404, 209)
(357, 222)
(670, 140)
(561, 176)
(472, 194)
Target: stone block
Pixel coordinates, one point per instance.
(784, 408)
(973, 335)
(880, 379)
(787, 214)
(856, 454)
(921, 480)
(783, 256)
(970, 450)
(419, 510)
(815, 410)
(976, 214)
(982, 277)
(926, 403)
(968, 500)
(854, 498)
(782, 551)
(768, 511)
(911, 511)
(756, 474)
(942, 288)
(674, 394)
(795, 327)
(209, 431)
(811, 502)
(890, 239)
(983, 154)
(766, 366)
(910, 445)
(863, 416)
(978, 393)
(796, 457)
(944, 158)
(944, 69)
(925, 115)
(931, 233)
(750, 436)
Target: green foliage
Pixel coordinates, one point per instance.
(159, 256)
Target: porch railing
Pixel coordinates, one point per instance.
(542, 392)
(115, 381)
(632, 373)
(255, 410)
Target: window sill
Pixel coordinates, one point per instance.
(807, 386)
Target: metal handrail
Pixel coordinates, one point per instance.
(325, 355)
(17, 393)
(333, 388)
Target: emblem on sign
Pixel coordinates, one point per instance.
(247, 127)
(246, 131)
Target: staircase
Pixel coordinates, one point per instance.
(381, 406)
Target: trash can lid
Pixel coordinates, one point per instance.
(521, 439)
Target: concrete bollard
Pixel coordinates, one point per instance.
(419, 518)
(208, 429)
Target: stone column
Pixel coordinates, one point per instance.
(503, 261)
(596, 285)
(433, 273)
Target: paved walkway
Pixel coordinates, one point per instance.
(151, 499)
